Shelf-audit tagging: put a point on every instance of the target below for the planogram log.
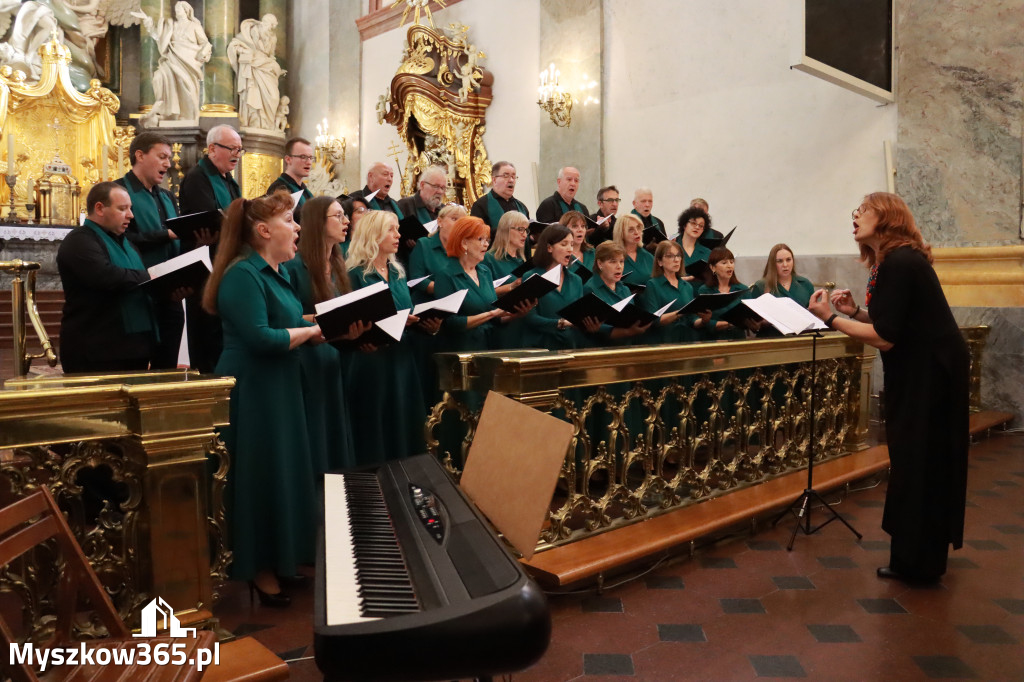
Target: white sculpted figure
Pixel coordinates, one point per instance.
(34, 24)
(183, 48)
(251, 54)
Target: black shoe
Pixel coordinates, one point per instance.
(279, 600)
(296, 581)
(886, 572)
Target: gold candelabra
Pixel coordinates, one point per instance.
(553, 99)
(329, 147)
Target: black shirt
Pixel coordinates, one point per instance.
(552, 208)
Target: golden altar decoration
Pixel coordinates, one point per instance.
(85, 124)
(438, 102)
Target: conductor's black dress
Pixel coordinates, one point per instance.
(926, 413)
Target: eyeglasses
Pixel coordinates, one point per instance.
(439, 188)
(231, 150)
(523, 230)
(304, 157)
(610, 201)
(672, 256)
(336, 215)
(860, 210)
(695, 224)
(507, 176)
(359, 209)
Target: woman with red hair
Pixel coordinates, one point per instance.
(926, 364)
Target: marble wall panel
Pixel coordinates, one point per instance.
(1002, 379)
(959, 96)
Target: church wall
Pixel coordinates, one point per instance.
(700, 101)
(510, 38)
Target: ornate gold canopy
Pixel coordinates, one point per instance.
(438, 102)
(85, 123)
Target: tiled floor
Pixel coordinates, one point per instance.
(747, 608)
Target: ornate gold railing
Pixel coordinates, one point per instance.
(23, 301)
(661, 427)
(148, 440)
(976, 338)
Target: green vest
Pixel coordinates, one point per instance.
(136, 310)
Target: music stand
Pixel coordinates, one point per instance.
(801, 508)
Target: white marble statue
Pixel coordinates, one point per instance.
(34, 24)
(183, 48)
(281, 121)
(257, 72)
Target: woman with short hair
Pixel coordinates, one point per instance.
(638, 261)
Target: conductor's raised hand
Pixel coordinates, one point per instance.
(819, 305)
(842, 299)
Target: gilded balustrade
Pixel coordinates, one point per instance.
(149, 439)
(661, 427)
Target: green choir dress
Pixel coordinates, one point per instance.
(272, 498)
(659, 293)
(597, 286)
(800, 290)
(428, 257)
(387, 407)
(507, 335)
(638, 271)
(700, 252)
(330, 433)
(479, 299)
(732, 331)
(540, 326)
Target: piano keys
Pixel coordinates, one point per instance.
(412, 584)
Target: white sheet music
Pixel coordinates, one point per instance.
(785, 314)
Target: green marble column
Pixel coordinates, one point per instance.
(150, 56)
(220, 21)
(279, 8)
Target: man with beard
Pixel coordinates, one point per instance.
(298, 162)
(424, 205)
(564, 198)
(499, 201)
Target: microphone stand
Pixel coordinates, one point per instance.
(801, 508)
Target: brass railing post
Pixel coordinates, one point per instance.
(23, 302)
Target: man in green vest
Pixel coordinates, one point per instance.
(425, 204)
(379, 179)
(499, 201)
(564, 198)
(209, 186)
(643, 202)
(152, 205)
(107, 324)
(298, 163)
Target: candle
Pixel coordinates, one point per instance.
(105, 174)
(11, 170)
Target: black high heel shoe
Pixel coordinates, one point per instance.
(279, 600)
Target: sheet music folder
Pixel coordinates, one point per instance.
(532, 288)
(187, 225)
(512, 468)
(188, 270)
(702, 302)
(369, 304)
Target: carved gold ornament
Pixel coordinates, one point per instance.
(417, 6)
(86, 122)
(438, 102)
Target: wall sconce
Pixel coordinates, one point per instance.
(553, 99)
(329, 147)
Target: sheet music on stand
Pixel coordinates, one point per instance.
(785, 314)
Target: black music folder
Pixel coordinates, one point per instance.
(383, 333)
(410, 227)
(532, 288)
(369, 304)
(536, 227)
(739, 316)
(631, 315)
(713, 242)
(188, 270)
(583, 271)
(699, 269)
(712, 302)
(523, 268)
(652, 235)
(440, 308)
(186, 226)
(637, 289)
(623, 314)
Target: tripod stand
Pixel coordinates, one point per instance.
(801, 508)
